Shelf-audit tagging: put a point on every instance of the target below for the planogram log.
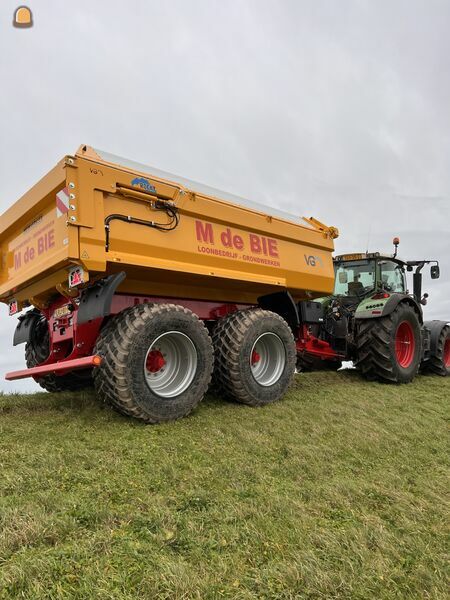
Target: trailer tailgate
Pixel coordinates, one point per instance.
(34, 238)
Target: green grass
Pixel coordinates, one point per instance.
(338, 491)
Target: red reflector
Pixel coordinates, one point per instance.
(13, 308)
(376, 312)
(76, 277)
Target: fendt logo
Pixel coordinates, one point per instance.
(313, 261)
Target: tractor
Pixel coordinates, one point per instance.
(374, 321)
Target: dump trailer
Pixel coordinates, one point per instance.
(148, 286)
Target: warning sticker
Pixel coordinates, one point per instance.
(62, 202)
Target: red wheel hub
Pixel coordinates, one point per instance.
(255, 357)
(405, 344)
(155, 361)
(447, 353)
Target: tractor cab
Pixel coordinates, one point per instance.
(360, 275)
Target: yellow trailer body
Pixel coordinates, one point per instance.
(220, 247)
(145, 284)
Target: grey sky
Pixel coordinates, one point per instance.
(337, 109)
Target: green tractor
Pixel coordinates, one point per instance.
(373, 320)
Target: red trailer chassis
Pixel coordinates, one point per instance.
(72, 343)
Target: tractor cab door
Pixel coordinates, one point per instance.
(354, 279)
(392, 276)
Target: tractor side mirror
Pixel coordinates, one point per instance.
(343, 277)
(435, 272)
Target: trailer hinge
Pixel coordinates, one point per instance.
(332, 232)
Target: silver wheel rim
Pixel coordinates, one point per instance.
(267, 359)
(170, 364)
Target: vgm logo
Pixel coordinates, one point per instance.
(313, 261)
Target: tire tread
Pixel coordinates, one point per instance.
(228, 336)
(111, 379)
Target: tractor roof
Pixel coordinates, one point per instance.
(366, 256)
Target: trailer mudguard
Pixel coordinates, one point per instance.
(283, 304)
(25, 326)
(375, 309)
(96, 300)
(435, 328)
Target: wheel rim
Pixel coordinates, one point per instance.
(267, 359)
(405, 344)
(170, 364)
(447, 353)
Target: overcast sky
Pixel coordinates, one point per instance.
(338, 109)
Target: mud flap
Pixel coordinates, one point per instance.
(283, 304)
(25, 327)
(96, 300)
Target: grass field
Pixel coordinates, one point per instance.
(339, 491)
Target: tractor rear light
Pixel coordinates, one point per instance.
(13, 308)
(381, 296)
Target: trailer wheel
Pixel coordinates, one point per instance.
(37, 350)
(255, 356)
(439, 361)
(157, 362)
(389, 348)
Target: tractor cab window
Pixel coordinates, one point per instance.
(354, 278)
(392, 276)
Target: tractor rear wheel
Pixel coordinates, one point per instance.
(157, 362)
(37, 350)
(439, 362)
(389, 348)
(255, 356)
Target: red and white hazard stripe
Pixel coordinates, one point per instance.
(62, 202)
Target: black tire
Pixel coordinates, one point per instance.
(307, 363)
(439, 361)
(234, 341)
(37, 350)
(123, 381)
(377, 356)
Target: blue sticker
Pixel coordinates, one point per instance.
(144, 184)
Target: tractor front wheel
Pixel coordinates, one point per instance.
(389, 348)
